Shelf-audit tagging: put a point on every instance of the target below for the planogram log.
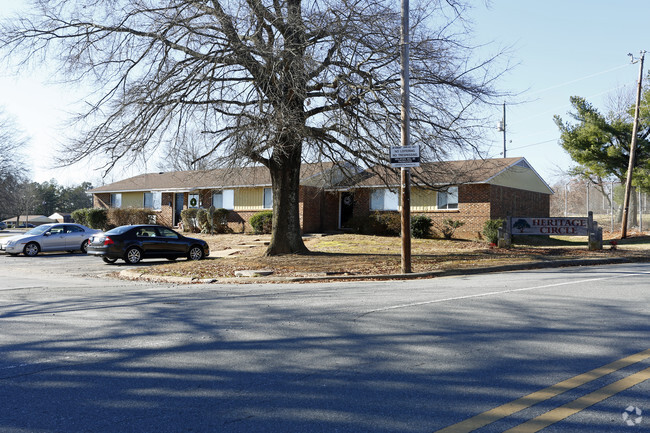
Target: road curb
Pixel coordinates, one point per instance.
(132, 274)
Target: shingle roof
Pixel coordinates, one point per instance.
(444, 172)
(322, 175)
(211, 179)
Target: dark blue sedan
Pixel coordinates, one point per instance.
(136, 242)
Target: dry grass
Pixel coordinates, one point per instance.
(347, 254)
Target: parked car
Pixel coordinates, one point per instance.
(49, 237)
(3, 225)
(136, 242)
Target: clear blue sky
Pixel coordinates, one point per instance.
(560, 48)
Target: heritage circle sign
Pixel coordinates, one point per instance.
(550, 226)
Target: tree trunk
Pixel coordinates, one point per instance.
(285, 181)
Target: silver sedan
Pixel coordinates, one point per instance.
(49, 237)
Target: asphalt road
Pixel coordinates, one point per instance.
(80, 352)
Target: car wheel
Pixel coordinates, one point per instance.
(109, 260)
(84, 246)
(133, 255)
(31, 249)
(195, 253)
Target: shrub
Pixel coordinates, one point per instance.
(449, 226)
(202, 220)
(80, 216)
(122, 217)
(377, 223)
(386, 223)
(94, 218)
(220, 221)
(190, 223)
(97, 218)
(213, 220)
(491, 230)
(262, 222)
(421, 227)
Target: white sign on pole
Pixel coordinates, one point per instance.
(405, 156)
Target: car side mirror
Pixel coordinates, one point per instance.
(47, 234)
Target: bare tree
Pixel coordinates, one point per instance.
(13, 170)
(275, 82)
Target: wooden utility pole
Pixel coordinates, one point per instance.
(405, 173)
(503, 128)
(630, 166)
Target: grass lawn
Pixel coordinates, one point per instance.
(350, 254)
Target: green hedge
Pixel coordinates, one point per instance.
(262, 222)
(94, 218)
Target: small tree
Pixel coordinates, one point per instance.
(491, 230)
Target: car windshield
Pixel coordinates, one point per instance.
(38, 230)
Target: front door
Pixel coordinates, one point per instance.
(347, 207)
(178, 207)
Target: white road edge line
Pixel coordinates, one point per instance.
(482, 295)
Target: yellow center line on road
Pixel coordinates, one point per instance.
(534, 398)
(575, 406)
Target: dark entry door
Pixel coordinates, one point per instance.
(178, 207)
(347, 207)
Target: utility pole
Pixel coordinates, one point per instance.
(405, 173)
(630, 166)
(502, 128)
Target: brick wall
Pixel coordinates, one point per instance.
(330, 211)
(311, 199)
(477, 204)
(516, 202)
(102, 200)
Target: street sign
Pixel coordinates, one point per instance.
(405, 156)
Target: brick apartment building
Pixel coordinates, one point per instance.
(331, 195)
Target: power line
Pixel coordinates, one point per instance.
(580, 79)
(534, 144)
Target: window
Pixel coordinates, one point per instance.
(166, 233)
(384, 199)
(448, 198)
(268, 198)
(153, 200)
(224, 199)
(116, 200)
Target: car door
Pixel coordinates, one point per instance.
(150, 242)
(173, 244)
(53, 239)
(74, 236)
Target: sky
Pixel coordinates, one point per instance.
(558, 49)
